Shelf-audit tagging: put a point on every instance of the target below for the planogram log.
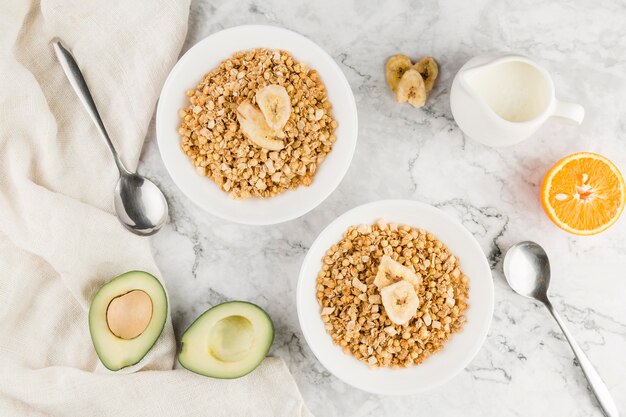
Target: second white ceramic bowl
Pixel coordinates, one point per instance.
(207, 55)
(458, 351)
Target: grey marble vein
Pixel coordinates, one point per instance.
(525, 367)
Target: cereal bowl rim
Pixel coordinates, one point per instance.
(458, 351)
(290, 204)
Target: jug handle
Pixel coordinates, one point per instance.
(570, 113)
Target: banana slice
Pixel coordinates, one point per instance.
(411, 88)
(400, 301)
(390, 271)
(396, 66)
(275, 104)
(255, 128)
(429, 70)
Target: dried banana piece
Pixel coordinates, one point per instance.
(391, 271)
(411, 88)
(256, 129)
(400, 301)
(395, 68)
(429, 70)
(275, 104)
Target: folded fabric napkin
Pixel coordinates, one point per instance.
(59, 239)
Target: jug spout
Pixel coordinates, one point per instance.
(500, 99)
(514, 88)
(482, 63)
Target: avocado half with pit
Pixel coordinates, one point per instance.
(227, 341)
(126, 317)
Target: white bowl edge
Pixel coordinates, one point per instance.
(203, 191)
(356, 373)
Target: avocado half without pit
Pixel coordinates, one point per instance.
(227, 341)
(126, 317)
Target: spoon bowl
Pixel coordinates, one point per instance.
(140, 205)
(527, 270)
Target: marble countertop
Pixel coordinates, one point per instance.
(525, 367)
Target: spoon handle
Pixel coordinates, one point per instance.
(76, 79)
(595, 382)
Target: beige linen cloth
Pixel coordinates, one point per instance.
(59, 240)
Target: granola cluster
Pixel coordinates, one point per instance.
(211, 136)
(351, 305)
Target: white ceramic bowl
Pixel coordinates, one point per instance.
(461, 347)
(204, 57)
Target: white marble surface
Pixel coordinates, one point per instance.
(525, 367)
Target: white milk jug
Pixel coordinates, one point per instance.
(501, 99)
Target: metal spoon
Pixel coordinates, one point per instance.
(140, 205)
(527, 270)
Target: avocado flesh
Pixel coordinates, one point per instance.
(227, 341)
(115, 352)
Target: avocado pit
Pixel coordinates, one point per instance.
(128, 315)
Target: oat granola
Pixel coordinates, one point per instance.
(211, 136)
(351, 305)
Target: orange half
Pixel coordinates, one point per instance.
(583, 193)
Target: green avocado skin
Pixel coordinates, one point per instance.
(262, 354)
(96, 316)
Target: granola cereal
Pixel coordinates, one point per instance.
(350, 301)
(211, 136)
